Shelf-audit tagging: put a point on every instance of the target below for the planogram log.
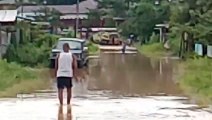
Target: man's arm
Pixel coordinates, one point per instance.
(56, 65)
(74, 66)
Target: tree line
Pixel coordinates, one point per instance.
(55, 2)
(192, 16)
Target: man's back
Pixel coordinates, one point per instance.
(65, 68)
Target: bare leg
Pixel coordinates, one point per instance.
(69, 95)
(60, 96)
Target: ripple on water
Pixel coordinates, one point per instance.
(99, 109)
(118, 84)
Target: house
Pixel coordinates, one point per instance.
(7, 4)
(10, 4)
(163, 30)
(69, 12)
(7, 21)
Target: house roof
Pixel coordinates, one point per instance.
(10, 1)
(71, 16)
(8, 15)
(84, 7)
(7, 1)
(72, 39)
(162, 25)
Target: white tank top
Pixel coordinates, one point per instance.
(65, 68)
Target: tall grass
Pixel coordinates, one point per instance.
(197, 79)
(93, 48)
(152, 50)
(17, 79)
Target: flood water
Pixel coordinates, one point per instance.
(118, 87)
(134, 75)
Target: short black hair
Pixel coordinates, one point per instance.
(66, 45)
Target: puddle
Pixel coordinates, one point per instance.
(119, 87)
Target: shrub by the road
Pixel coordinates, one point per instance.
(32, 52)
(17, 79)
(92, 48)
(152, 50)
(197, 78)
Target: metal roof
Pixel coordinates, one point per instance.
(11, 1)
(7, 2)
(84, 7)
(29, 16)
(8, 15)
(162, 25)
(73, 16)
(104, 29)
(72, 39)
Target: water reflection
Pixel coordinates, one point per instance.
(62, 116)
(133, 74)
(60, 113)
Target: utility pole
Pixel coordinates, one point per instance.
(77, 19)
(45, 10)
(21, 2)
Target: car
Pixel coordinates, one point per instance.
(77, 47)
(112, 38)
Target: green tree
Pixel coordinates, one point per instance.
(50, 15)
(145, 20)
(141, 21)
(57, 2)
(194, 16)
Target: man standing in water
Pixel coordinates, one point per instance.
(65, 70)
(124, 45)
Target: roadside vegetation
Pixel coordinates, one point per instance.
(152, 50)
(24, 67)
(191, 16)
(197, 79)
(17, 79)
(93, 48)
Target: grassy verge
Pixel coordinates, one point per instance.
(93, 48)
(195, 74)
(16, 79)
(197, 79)
(152, 50)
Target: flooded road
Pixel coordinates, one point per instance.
(118, 87)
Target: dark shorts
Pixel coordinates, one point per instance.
(64, 82)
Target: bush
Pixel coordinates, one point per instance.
(32, 53)
(154, 38)
(175, 45)
(70, 34)
(175, 40)
(14, 78)
(197, 79)
(152, 50)
(92, 48)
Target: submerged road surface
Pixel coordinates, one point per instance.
(118, 87)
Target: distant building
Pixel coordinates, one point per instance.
(7, 4)
(69, 12)
(7, 21)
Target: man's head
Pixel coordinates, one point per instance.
(66, 47)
